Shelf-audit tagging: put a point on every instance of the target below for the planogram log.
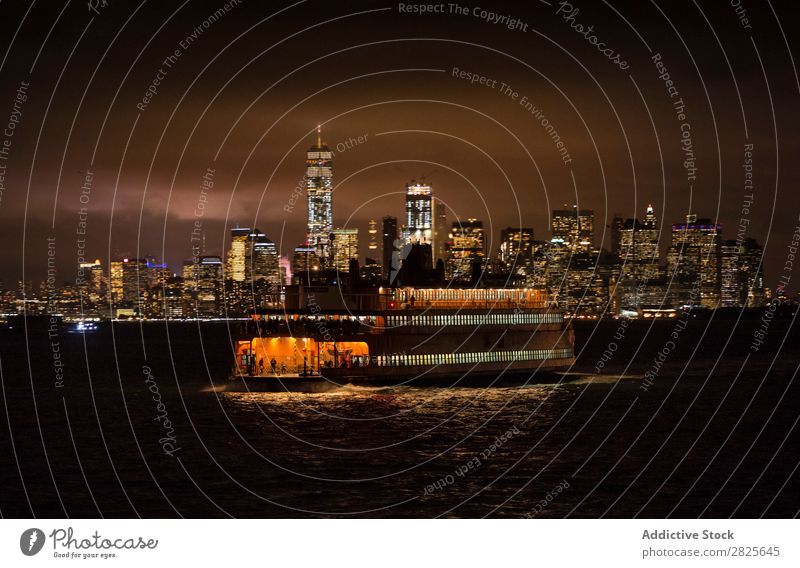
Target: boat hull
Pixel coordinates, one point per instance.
(470, 376)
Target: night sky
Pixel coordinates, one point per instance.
(243, 95)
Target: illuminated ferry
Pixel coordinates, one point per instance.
(403, 335)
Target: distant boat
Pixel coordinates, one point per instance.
(83, 327)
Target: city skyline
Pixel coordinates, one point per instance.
(701, 268)
(506, 172)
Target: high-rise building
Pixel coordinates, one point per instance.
(236, 261)
(650, 219)
(261, 257)
(189, 294)
(638, 248)
(345, 247)
(465, 248)
(252, 273)
(173, 298)
(516, 249)
(91, 282)
(751, 256)
(372, 244)
(389, 237)
(733, 282)
(574, 227)
(209, 284)
(156, 273)
(583, 287)
(694, 257)
(440, 230)
(741, 278)
(286, 270)
(305, 264)
(371, 272)
(319, 191)
(128, 281)
(188, 274)
(617, 224)
(419, 218)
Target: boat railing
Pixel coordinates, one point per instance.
(305, 327)
(470, 305)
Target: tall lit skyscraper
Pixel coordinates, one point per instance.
(157, 273)
(751, 255)
(128, 279)
(91, 281)
(236, 262)
(616, 229)
(741, 278)
(419, 216)
(650, 220)
(372, 245)
(115, 280)
(262, 259)
(695, 257)
(285, 265)
(638, 247)
(173, 298)
(465, 248)
(388, 243)
(733, 282)
(648, 253)
(209, 286)
(345, 247)
(574, 227)
(305, 264)
(516, 249)
(319, 191)
(440, 232)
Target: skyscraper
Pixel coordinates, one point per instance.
(751, 255)
(156, 273)
(465, 248)
(616, 229)
(262, 259)
(419, 216)
(694, 257)
(188, 303)
(173, 298)
(741, 278)
(285, 265)
(516, 249)
(389, 238)
(372, 245)
(574, 227)
(319, 191)
(440, 231)
(345, 247)
(209, 285)
(128, 278)
(733, 282)
(236, 262)
(650, 220)
(91, 282)
(305, 264)
(638, 248)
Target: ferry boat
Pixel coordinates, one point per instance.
(329, 335)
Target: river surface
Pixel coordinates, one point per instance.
(713, 432)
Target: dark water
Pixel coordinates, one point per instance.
(710, 437)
